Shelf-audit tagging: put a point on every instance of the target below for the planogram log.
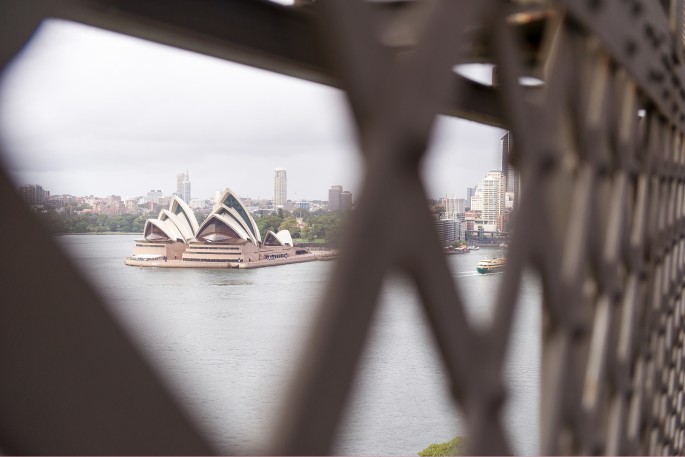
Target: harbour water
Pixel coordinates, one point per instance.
(228, 341)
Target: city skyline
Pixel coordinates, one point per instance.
(77, 119)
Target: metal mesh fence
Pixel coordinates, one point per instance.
(602, 160)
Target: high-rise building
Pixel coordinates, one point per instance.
(449, 224)
(449, 230)
(477, 201)
(28, 194)
(454, 206)
(470, 192)
(154, 196)
(183, 186)
(179, 183)
(511, 176)
(280, 187)
(334, 198)
(34, 194)
(185, 195)
(509, 201)
(492, 193)
(345, 200)
(512, 185)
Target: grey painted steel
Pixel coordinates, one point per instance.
(72, 382)
(256, 33)
(601, 221)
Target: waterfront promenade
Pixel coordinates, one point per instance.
(160, 263)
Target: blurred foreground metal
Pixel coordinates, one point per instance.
(602, 158)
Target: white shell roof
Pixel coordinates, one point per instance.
(238, 219)
(180, 222)
(250, 222)
(190, 214)
(167, 227)
(284, 237)
(227, 220)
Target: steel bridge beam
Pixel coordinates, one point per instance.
(604, 193)
(257, 33)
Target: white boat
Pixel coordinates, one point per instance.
(491, 265)
(460, 250)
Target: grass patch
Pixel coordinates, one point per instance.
(452, 447)
(303, 240)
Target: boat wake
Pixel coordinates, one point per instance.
(463, 274)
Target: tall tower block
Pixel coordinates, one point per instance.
(280, 187)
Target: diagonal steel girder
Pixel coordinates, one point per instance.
(636, 34)
(72, 382)
(394, 121)
(148, 20)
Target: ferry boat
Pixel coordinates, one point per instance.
(491, 265)
(460, 250)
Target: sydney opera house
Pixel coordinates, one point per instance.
(227, 238)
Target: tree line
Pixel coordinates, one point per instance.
(317, 226)
(66, 222)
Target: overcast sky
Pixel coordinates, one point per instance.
(85, 111)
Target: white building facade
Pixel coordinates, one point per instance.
(454, 207)
(280, 188)
(185, 194)
(489, 199)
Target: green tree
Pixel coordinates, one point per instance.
(200, 216)
(301, 212)
(66, 222)
(270, 222)
(438, 209)
(309, 233)
(332, 234)
(138, 224)
(290, 224)
(452, 447)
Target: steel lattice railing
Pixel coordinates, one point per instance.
(601, 154)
